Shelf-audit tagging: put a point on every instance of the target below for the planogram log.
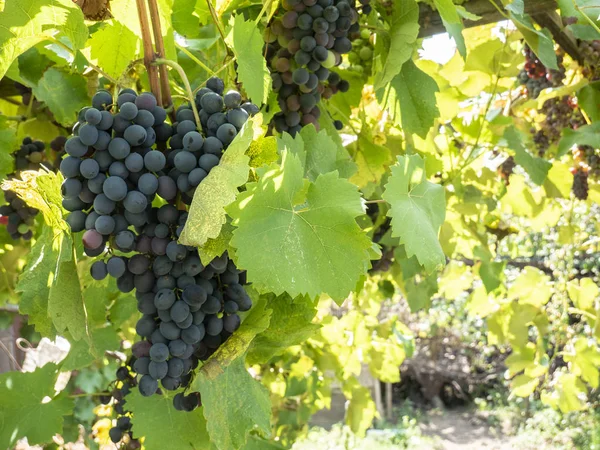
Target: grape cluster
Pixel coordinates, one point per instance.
(125, 381)
(15, 214)
(505, 169)
(580, 183)
(114, 175)
(305, 39)
(536, 77)
(590, 51)
(558, 113)
(361, 56)
(589, 158)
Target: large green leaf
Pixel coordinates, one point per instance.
(246, 40)
(156, 419)
(536, 167)
(24, 23)
(25, 411)
(291, 324)
(417, 209)
(112, 47)
(219, 189)
(8, 144)
(411, 99)
(83, 353)
(400, 41)
(64, 93)
(300, 237)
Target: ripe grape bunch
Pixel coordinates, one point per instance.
(505, 169)
(580, 183)
(589, 158)
(558, 113)
(536, 77)
(305, 39)
(591, 59)
(113, 176)
(15, 214)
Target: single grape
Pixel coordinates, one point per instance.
(98, 270)
(147, 386)
(128, 110)
(226, 133)
(116, 266)
(114, 188)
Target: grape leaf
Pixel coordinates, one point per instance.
(372, 160)
(417, 209)
(82, 353)
(247, 43)
(317, 151)
(588, 99)
(231, 412)
(536, 167)
(452, 22)
(25, 412)
(290, 325)
(153, 415)
(186, 16)
(216, 247)
(585, 135)
(346, 166)
(263, 151)
(219, 189)
(24, 23)
(301, 237)
(412, 99)
(112, 47)
(540, 41)
(402, 37)
(65, 94)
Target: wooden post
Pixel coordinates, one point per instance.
(166, 100)
(148, 50)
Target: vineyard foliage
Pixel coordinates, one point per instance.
(377, 173)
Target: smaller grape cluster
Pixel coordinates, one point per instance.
(361, 56)
(591, 59)
(305, 39)
(123, 385)
(580, 183)
(15, 214)
(560, 112)
(535, 76)
(588, 158)
(505, 169)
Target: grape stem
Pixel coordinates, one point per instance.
(370, 202)
(16, 118)
(193, 58)
(217, 23)
(227, 64)
(186, 82)
(266, 6)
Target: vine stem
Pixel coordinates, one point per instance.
(370, 202)
(217, 23)
(93, 394)
(92, 66)
(148, 50)
(186, 82)
(266, 6)
(10, 355)
(193, 58)
(16, 118)
(160, 52)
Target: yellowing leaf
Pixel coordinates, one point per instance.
(532, 287)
